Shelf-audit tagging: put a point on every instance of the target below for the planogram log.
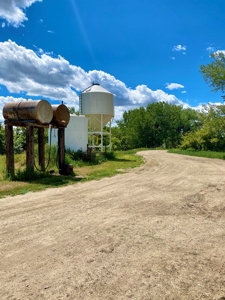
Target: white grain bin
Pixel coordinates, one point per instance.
(76, 134)
(97, 104)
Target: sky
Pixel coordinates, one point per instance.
(142, 51)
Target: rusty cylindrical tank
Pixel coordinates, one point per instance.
(61, 115)
(32, 110)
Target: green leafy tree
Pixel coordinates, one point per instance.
(159, 124)
(73, 111)
(211, 134)
(214, 73)
(19, 138)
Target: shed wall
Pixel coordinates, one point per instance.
(76, 134)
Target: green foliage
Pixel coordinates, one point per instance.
(75, 155)
(214, 73)
(29, 174)
(158, 125)
(51, 157)
(2, 139)
(81, 158)
(211, 134)
(72, 110)
(202, 153)
(19, 139)
(110, 155)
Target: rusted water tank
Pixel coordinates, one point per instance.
(35, 110)
(61, 115)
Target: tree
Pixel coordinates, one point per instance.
(19, 136)
(159, 124)
(214, 73)
(211, 134)
(72, 110)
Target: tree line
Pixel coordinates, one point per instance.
(164, 125)
(170, 126)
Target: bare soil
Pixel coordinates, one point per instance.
(155, 232)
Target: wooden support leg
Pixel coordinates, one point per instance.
(30, 147)
(41, 148)
(61, 144)
(9, 150)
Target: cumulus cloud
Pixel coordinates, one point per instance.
(37, 74)
(174, 86)
(219, 52)
(13, 11)
(179, 48)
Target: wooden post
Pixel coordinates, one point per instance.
(61, 145)
(41, 148)
(30, 146)
(9, 149)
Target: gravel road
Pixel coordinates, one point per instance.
(155, 232)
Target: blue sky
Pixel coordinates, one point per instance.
(142, 51)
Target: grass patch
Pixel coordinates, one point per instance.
(207, 154)
(84, 171)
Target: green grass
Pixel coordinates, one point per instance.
(120, 162)
(84, 171)
(207, 154)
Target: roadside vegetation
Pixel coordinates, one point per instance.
(101, 166)
(191, 152)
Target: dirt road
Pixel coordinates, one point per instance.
(156, 232)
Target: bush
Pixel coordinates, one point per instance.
(28, 174)
(75, 155)
(110, 155)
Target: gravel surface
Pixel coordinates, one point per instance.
(155, 232)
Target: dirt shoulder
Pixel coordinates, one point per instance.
(155, 232)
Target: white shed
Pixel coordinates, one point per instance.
(76, 134)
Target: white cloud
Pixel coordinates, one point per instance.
(3, 24)
(40, 75)
(210, 49)
(219, 51)
(179, 48)
(174, 86)
(13, 11)
(183, 92)
(50, 31)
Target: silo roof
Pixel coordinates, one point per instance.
(96, 88)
